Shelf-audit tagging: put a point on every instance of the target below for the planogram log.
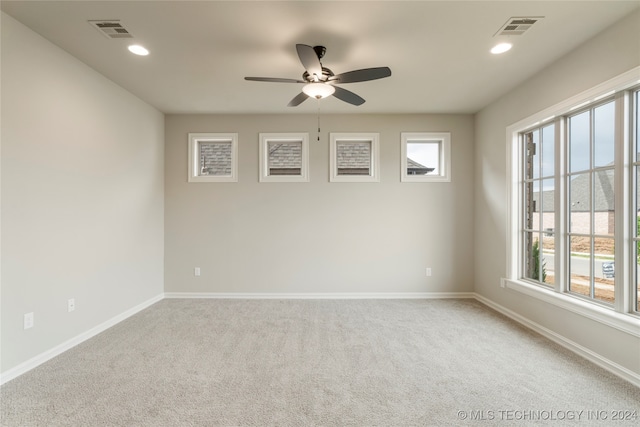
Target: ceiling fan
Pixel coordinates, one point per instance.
(321, 81)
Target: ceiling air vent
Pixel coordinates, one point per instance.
(517, 26)
(112, 29)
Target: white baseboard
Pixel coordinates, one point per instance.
(592, 356)
(59, 349)
(339, 295)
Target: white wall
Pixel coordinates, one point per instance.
(611, 53)
(318, 237)
(82, 196)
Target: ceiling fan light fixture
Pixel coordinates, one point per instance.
(318, 90)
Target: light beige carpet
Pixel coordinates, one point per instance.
(316, 363)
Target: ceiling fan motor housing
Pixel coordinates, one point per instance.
(326, 73)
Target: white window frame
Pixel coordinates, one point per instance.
(620, 316)
(194, 162)
(444, 139)
(374, 166)
(266, 138)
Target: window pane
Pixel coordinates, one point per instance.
(353, 158)
(215, 159)
(548, 146)
(535, 140)
(548, 251)
(547, 207)
(604, 206)
(538, 262)
(637, 120)
(579, 137)
(580, 265)
(637, 284)
(285, 158)
(529, 157)
(580, 199)
(533, 268)
(603, 134)
(637, 242)
(604, 269)
(423, 158)
(637, 201)
(637, 290)
(529, 204)
(534, 208)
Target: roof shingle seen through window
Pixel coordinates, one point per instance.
(580, 193)
(285, 155)
(415, 168)
(215, 159)
(353, 155)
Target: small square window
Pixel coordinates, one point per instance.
(213, 157)
(425, 157)
(284, 157)
(354, 157)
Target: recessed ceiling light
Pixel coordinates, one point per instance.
(138, 50)
(501, 48)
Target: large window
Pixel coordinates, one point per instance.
(575, 210)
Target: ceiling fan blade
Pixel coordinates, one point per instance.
(309, 59)
(362, 75)
(273, 79)
(299, 99)
(348, 96)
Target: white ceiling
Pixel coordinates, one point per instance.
(201, 50)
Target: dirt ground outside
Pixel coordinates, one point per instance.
(604, 288)
(602, 246)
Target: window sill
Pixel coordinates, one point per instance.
(422, 178)
(627, 323)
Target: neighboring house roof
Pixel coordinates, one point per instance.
(415, 168)
(285, 155)
(579, 194)
(215, 159)
(353, 155)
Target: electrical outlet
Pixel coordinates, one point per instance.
(196, 271)
(428, 271)
(71, 305)
(28, 320)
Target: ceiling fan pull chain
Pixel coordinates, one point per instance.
(318, 102)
